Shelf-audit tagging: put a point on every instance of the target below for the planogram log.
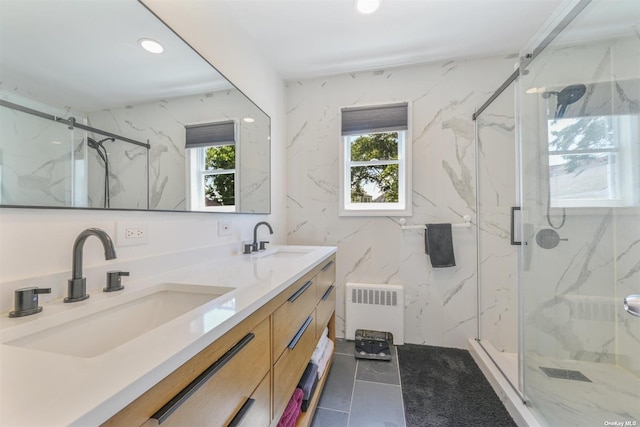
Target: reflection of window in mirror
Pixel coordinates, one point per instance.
(211, 171)
(593, 161)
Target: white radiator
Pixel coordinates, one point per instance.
(375, 308)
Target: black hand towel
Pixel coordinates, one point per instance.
(438, 244)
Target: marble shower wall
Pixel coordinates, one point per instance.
(440, 304)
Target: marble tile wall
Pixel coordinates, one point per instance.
(440, 304)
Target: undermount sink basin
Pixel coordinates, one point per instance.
(96, 333)
(282, 253)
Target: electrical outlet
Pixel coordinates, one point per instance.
(134, 233)
(129, 234)
(224, 228)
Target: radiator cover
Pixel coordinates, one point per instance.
(376, 308)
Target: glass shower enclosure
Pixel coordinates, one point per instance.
(552, 312)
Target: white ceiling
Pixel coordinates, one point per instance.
(309, 38)
(78, 52)
(84, 54)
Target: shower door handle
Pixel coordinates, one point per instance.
(632, 305)
(513, 228)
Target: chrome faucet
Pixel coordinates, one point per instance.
(255, 235)
(77, 288)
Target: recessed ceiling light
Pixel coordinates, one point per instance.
(249, 119)
(367, 6)
(151, 45)
(56, 142)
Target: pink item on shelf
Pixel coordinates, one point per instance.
(325, 358)
(293, 410)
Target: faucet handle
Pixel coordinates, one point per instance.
(114, 280)
(248, 248)
(26, 301)
(263, 244)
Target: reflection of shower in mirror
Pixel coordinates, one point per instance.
(567, 96)
(102, 152)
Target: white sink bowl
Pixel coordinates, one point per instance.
(289, 252)
(96, 333)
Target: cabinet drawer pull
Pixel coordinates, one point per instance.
(164, 412)
(326, 267)
(327, 293)
(300, 291)
(241, 413)
(303, 328)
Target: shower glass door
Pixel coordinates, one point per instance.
(580, 171)
(497, 262)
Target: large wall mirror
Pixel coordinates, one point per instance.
(90, 119)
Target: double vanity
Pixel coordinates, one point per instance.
(220, 338)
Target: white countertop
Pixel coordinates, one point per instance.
(39, 388)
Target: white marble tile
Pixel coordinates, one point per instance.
(612, 394)
(440, 305)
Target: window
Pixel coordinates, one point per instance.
(211, 158)
(375, 162)
(593, 161)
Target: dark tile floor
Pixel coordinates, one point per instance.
(360, 393)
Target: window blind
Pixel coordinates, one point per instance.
(380, 118)
(210, 134)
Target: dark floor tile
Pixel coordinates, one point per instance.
(380, 371)
(339, 386)
(376, 405)
(329, 418)
(344, 347)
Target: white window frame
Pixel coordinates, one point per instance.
(404, 205)
(195, 180)
(624, 174)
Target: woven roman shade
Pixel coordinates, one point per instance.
(210, 134)
(380, 118)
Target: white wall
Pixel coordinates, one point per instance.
(36, 243)
(440, 306)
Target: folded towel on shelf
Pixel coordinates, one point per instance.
(305, 402)
(325, 359)
(308, 378)
(438, 244)
(292, 410)
(319, 351)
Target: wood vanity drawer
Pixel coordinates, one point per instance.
(325, 309)
(289, 369)
(292, 313)
(257, 410)
(326, 277)
(219, 397)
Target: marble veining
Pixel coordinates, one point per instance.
(440, 307)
